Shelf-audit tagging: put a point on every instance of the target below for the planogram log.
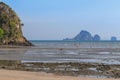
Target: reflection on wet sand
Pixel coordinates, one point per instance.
(92, 55)
(12, 54)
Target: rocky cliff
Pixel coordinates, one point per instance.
(113, 38)
(85, 36)
(10, 27)
(96, 37)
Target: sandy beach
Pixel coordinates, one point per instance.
(24, 75)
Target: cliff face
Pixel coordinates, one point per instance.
(10, 27)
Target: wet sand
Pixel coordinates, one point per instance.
(93, 62)
(23, 75)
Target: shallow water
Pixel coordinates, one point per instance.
(92, 52)
(71, 56)
(60, 51)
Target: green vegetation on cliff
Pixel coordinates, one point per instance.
(10, 27)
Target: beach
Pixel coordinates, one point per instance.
(65, 59)
(23, 75)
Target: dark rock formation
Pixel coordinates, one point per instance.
(68, 39)
(113, 38)
(96, 37)
(83, 36)
(10, 27)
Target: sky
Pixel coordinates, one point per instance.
(59, 19)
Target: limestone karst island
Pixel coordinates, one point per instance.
(10, 27)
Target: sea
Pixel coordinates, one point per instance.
(59, 51)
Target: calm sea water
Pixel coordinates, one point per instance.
(66, 51)
(74, 44)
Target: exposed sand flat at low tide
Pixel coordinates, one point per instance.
(23, 75)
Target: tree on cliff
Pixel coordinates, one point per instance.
(10, 27)
(1, 33)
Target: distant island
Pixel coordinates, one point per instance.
(86, 36)
(113, 38)
(10, 27)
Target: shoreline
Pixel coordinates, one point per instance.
(14, 46)
(24, 75)
(65, 69)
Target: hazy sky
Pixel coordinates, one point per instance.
(58, 19)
